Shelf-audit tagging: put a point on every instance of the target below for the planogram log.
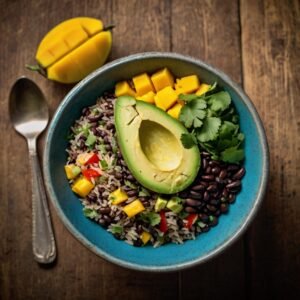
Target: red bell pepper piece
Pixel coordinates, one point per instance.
(90, 173)
(163, 226)
(191, 219)
(94, 159)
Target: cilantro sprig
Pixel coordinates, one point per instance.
(213, 124)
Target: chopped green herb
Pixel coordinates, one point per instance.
(188, 97)
(188, 140)
(150, 217)
(219, 101)
(130, 184)
(91, 139)
(103, 164)
(232, 155)
(90, 213)
(143, 192)
(116, 228)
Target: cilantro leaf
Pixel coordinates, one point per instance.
(188, 140)
(143, 192)
(228, 129)
(103, 164)
(116, 228)
(130, 184)
(150, 217)
(90, 213)
(209, 130)
(192, 113)
(188, 97)
(219, 101)
(232, 155)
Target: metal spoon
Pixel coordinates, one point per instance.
(29, 115)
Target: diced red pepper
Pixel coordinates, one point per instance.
(90, 173)
(163, 226)
(191, 219)
(94, 159)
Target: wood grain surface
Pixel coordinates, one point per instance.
(257, 43)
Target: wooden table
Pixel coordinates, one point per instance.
(257, 43)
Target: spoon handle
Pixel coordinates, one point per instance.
(43, 241)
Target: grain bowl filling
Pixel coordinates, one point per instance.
(157, 160)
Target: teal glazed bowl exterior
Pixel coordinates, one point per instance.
(170, 257)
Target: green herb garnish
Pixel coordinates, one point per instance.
(90, 213)
(150, 217)
(116, 228)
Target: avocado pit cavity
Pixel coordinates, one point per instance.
(160, 146)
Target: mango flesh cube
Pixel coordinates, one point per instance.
(162, 79)
(82, 187)
(142, 84)
(133, 208)
(149, 97)
(203, 89)
(123, 88)
(175, 110)
(188, 84)
(118, 196)
(165, 98)
(145, 237)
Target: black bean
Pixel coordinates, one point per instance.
(232, 167)
(199, 187)
(213, 221)
(214, 202)
(204, 217)
(110, 126)
(215, 170)
(108, 147)
(204, 163)
(214, 163)
(204, 183)
(95, 118)
(101, 189)
(239, 174)
(86, 111)
(195, 195)
(206, 229)
(224, 207)
(184, 194)
(208, 177)
(192, 202)
(190, 209)
(212, 188)
(220, 181)
(223, 174)
(225, 193)
(139, 229)
(102, 222)
(105, 210)
(231, 198)
(106, 139)
(130, 177)
(137, 243)
(217, 213)
(109, 113)
(205, 154)
(206, 196)
(107, 219)
(118, 175)
(146, 203)
(208, 170)
(132, 193)
(211, 208)
(233, 185)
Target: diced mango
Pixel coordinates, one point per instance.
(123, 88)
(145, 237)
(133, 208)
(82, 158)
(162, 79)
(188, 84)
(175, 110)
(149, 97)
(82, 187)
(165, 98)
(203, 89)
(142, 84)
(72, 171)
(118, 196)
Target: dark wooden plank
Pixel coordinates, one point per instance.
(209, 30)
(270, 38)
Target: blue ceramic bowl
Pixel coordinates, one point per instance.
(169, 257)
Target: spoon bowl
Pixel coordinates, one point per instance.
(29, 115)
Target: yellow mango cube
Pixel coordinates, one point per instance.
(165, 98)
(188, 84)
(72, 171)
(149, 97)
(142, 84)
(175, 110)
(82, 187)
(203, 89)
(162, 79)
(133, 208)
(118, 196)
(123, 88)
(145, 237)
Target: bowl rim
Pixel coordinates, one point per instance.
(255, 206)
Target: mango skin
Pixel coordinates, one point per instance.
(73, 49)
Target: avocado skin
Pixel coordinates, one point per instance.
(129, 115)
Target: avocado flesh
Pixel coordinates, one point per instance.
(149, 140)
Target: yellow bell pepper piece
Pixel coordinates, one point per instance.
(118, 196)
(65, 37)
(123, 88)
(149, 97)
(162, 79)
(175, 110)
(165, 98)
(188, 84)
(142, 84)
(133, 208)
(145, 237)
(82, 187)
(72, 171)
(203, 89)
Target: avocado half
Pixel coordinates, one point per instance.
(149, 140)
